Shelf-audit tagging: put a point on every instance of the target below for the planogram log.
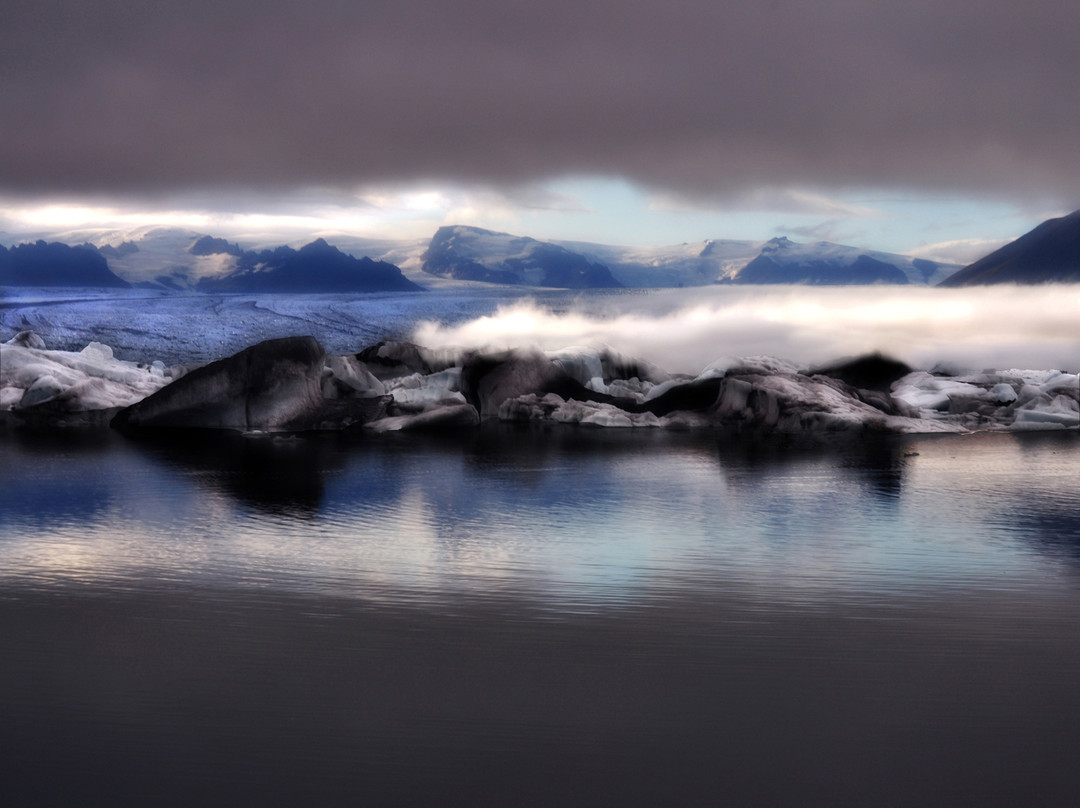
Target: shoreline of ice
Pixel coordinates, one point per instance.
(397, 385)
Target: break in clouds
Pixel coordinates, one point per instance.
(683, 331)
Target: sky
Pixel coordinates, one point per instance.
(937, 127)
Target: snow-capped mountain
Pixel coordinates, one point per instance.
(779, 261)
(179, 259)
(699, 263)
(474, 254)
(823, 263)
(161, 257)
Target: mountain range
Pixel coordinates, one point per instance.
(173, 259)
(315, 267)
(42, 263)
(473, 253)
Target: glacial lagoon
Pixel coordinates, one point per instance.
(541, 616)
(536, 614)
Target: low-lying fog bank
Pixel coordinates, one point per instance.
(684, 330)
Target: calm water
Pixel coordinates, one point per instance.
(528, 617)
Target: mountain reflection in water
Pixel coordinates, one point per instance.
(541, 617)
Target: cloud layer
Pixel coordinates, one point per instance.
(697, 99)
(993, 326)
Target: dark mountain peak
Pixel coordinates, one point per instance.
(778, 243)
(119, 251)
(208, 245)
(450, 231)
(56, 264)
(319, 245)
(1049, 253)
(315, 267)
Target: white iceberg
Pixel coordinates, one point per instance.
(38, 383)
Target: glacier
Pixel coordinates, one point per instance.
(700, 358)
(176, 259)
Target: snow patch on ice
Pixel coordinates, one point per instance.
(90, 379)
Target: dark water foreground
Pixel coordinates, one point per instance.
(571, 617)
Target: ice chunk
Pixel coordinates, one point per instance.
(582, 364)
(923, 391)
(530, 407)
(97, 352)
(683, 420)
(1059, 411)
(27, 339)
(659, 389)
(633, 388)
(765, 364)
(420, 392)
(449, 417)
(43, 388)
(32, 377)
(10, 397)
(1066, 383)
(607, 417)
(347, 377)
(1002, 393)
(734, 398)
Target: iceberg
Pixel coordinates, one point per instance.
(48, 388)
(291, 384)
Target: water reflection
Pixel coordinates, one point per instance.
(281, 476)
(55, 478)
(564, 617)
(568, 514)
(874, 462)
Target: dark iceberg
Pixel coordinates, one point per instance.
(292, 385)
(274, 386)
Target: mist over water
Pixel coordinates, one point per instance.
(684, 330)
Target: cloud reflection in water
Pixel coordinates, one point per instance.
(565, 516)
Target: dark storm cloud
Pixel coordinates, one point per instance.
(699, 98)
